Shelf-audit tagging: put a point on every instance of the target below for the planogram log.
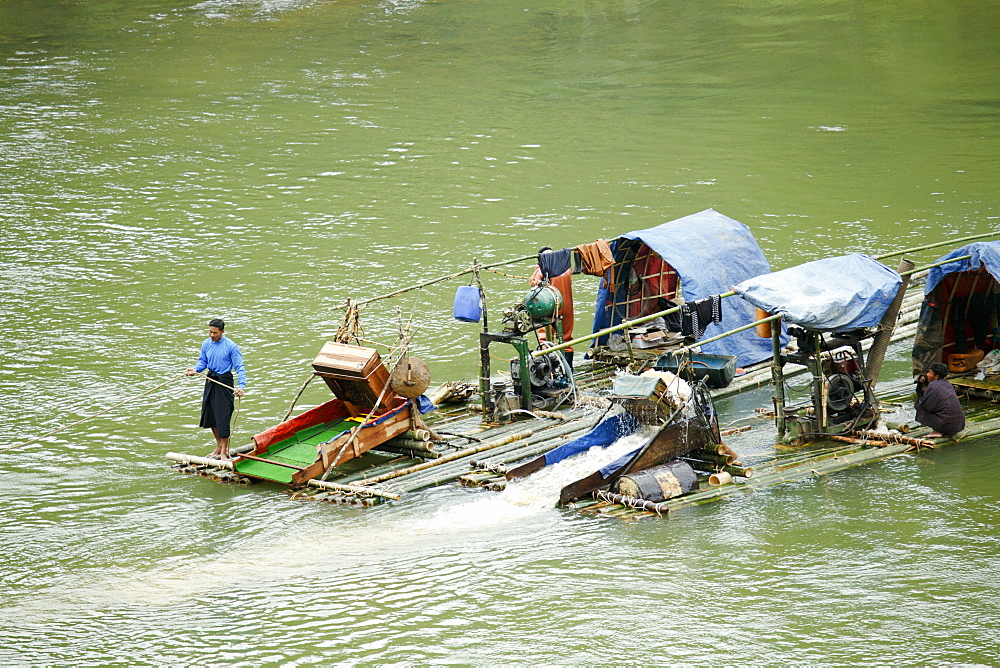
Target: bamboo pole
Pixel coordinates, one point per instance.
(447, 458)
(506, 453)
(450, 471)
(424, 284)
(91, 417)
(623, 325)
(939, 264)
(200, 461)
(395, 465)
(298, 394)
(935, 245)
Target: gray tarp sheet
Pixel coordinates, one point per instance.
(834, 294)
(710, 253)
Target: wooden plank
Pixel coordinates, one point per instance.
(988, 383)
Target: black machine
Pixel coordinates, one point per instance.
(841, 398)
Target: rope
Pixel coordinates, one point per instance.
(121, 403)
(500, 273)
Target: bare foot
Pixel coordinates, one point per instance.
(934, 434)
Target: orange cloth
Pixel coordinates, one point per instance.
(564, 284)
(596, 258)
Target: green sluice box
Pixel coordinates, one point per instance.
(717, 370)
(299, 450)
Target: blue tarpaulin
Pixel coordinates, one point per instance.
(604, 434)
(710, 253)
(984, 253)
(835, 294)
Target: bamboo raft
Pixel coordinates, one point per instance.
(478, 456)
(476, 453)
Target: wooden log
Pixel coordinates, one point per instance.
(859, 441)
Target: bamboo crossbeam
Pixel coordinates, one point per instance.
(447, 458)
(506, 452)
(893, 438)
(354, 489)
(630, 501)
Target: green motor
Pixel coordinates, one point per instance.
(543, 303)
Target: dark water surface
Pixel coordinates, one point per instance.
(167, 162)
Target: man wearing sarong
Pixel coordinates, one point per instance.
(937, 404)
(220, 356)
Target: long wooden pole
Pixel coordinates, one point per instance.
(91, 417)
(938, 264)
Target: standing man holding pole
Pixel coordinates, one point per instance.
(221, 357)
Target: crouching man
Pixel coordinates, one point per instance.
(937, 403)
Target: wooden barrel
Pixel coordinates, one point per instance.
(658, 483)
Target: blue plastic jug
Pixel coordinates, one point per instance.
(467, 304)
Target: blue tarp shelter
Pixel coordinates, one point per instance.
(984, 254)
(710, 253)
(961, 305)
(835, 294)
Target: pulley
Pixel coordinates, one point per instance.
(840, 391)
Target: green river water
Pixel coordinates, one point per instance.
(166, 162)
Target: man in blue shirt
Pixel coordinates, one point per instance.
(221, 357)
